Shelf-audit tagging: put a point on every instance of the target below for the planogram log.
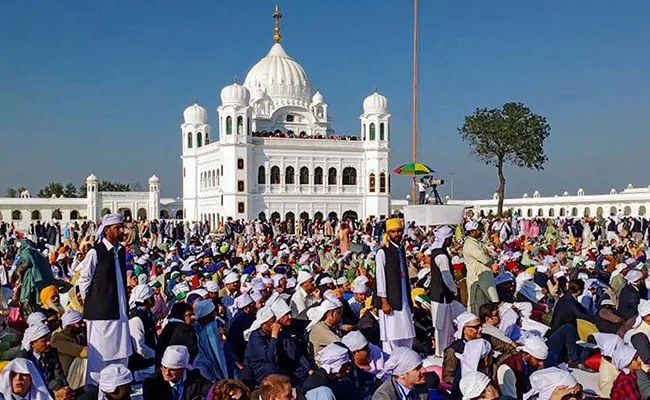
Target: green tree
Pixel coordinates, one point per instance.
(12, 192)
(511, 135)
(110, 186)
(52, 189)
(70, 191)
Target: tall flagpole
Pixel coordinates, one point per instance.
(415, 92)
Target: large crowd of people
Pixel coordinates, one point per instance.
(492, 308)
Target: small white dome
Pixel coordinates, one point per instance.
(613, 191)
(154, 179)
(195, 114)
(565, 194)
(536, 194)
(235, 94)
(91, 178)
(317, 99)
(629, 186)
(375, 104)
(525, 195)
(581, 192)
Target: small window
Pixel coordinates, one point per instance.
(207, 138)
(304, 176)
(261, 175)
(183, 172)
(349, 176)
(382, 135)
(199, 139)
(382, 182)
(228, 125)
(331, 176)
(290, 118)
(275, 175)
(241, 208)
(240, 163)
(240, 125)
(318, 176)
(240, 186)
(222, 200)
(289, 176)
(372, 131)
(189, 140)
(371, 183)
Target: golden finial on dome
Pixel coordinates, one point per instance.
(277, 15)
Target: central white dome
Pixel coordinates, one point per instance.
(280, 77)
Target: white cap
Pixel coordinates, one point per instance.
(176, 357)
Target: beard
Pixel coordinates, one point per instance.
(56, 306)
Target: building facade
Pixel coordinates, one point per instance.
(24, 210)
(276, 155)
(631, 201)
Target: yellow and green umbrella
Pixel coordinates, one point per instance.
(414, 168)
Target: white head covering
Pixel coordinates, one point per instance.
(354, 341)
(341, 281)
(441, 234)
(316, 314)
(304, 276)
(262, 268)
(231, 278)
(277, 278)
(542, 268)
(203, 308)
(108, 220)
(475, 351)
(255, 295)
(35, 318)
(211, 286)
(401, 361)
(544, 382)
(623, 356)
(332, 357)
(34, 333)
(111, 377)
(633, 276)
(176, 357)
(360, 288)
(607, 342)
(361, 279)
(181, 287)
(140, 294)
(461, 321)
(38, 390)
(472, 384)
(263, 315)
(535, 346)
(242, 301)
(70, 317)
(471, 225)
(644, 307)
(280, 308)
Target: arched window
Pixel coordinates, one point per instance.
(304, 216)
(189, 140)
(16, 215)
(382, 134)
(207, 138)
(275, 175)
(275, 216)
(587, 212)
(36, 215)
(562, 212)
(530, 212)
(304, 176)
(318, 216)
(331, 176)
(540, 212)
(214, 179)
(382, 182)
(74, 214)
(574, 212)
(261, 175)
(229, 125)
(364, 132)
(240, 125)
(551, 212)
(318, 176)
(371, 182)
(57, 214)
(289, 176)
(599, 211)
(248, 126)
(349, 176)
(642, 211)
(372, 131)
(199, 139)
(613, 210)
(627, 210)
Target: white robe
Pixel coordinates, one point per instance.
(109, 341)
(443, 315)
(398, 325)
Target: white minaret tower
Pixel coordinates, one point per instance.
(195, 133)
(375, 127)
(235, 114)
(154, 198)
(91, 198)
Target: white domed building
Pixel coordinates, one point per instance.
(277, 155)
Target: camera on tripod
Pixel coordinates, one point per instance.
(432, 181)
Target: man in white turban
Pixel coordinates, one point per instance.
(627, 361)
(480, 279)
(102, 285)
(73, 352)
(607, 372)
(176, 378)
(20, 379)
(142, 328)
(404, 372)
(303, 296)
(514, 373)
(325, 320)
(237, 325)
(629, 298)
(114, 383)
(553, 383)
(365, 355)
(334, 362)
(477, 385)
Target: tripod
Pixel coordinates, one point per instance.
(436, 196)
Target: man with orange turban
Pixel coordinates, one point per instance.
(50, 299)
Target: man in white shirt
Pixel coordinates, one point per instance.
(302, 299)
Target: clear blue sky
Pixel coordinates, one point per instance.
(100, 86)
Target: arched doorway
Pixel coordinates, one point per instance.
(126, 213)
(333, 216)
(350, 214)
(164, 214)
(551, 212)
(290, 216)
(36, 215)
(562, 212)
(261, 216)
(74, 214)
(142, 214)
(587, 212)
(318, 216)
(275, 216)
(642, 211)
(16, 215)
(627, 210)
(574, 212)
(599, 212)
(106, 211)
(613, 210)
(57, 214)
